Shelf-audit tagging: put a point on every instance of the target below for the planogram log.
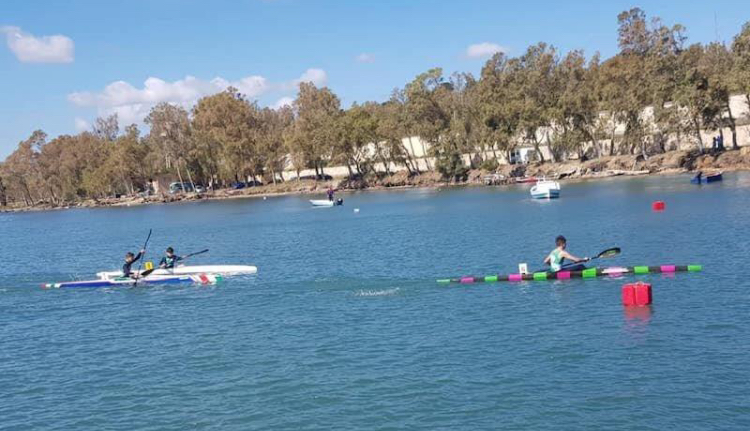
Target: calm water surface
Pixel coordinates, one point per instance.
(344, 326)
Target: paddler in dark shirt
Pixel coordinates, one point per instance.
(130, 259)
(170, 259)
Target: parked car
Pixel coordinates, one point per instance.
(180, 187)
(199, 188)
(242, 185)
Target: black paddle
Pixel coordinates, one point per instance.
(143, 257)
(610, 252)
(149, 271)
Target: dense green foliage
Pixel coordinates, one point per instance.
(570, 104)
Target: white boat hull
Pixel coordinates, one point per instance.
(546, 194)
(546, 190)
(225, 270)
(325, 202)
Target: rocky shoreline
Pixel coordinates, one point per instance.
(673, 162)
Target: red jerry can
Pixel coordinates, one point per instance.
(628, 295)
(642, 293)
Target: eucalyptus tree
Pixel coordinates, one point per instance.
(317, 113)
(716, 65)
(426, 118)
(21, 168)
(741, 64)
(225, 124)
(170, 134)
(358, 130)
(575, 115)
(107, 128)
(389, 146)
(272, 149)
(694, 94)
(498, 101)
(536, 94)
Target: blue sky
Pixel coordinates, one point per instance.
(360, 49)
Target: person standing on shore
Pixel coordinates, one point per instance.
(556, 257)
(330, 192)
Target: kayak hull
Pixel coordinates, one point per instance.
(565, 275)
(126, 281)
(224, 270)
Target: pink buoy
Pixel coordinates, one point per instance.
(467, 280)
(563, 275)
(668, 268)
(515, 277)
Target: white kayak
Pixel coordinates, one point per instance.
(224, 270)
(326, 202)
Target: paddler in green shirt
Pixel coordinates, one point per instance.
(170, 259)
(558, 255)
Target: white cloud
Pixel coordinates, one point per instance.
(82, 125)
(484, 49)
(284, 101)
(365, 58)
(132, 104)
(319, 77)
(44, 49)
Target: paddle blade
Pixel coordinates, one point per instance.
(611, 252)
(147, 272)
(196, 253)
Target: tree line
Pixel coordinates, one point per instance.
(568, 103)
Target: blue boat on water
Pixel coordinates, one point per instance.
(711, 178)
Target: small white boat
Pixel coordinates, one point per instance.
(545, 189)
(326, 202)
(223, 270)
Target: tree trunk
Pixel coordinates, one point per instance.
(537, 149)
(732, 127)
(697, 126)
(190, 177)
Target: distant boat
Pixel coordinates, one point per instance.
(525, 180)
(545, 189)
(326, 202)
(710, 178)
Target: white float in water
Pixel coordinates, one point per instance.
(356, 210)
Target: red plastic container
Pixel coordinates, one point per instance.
(659, 206)
(642, 294)
(628, 295)
(636, 294)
